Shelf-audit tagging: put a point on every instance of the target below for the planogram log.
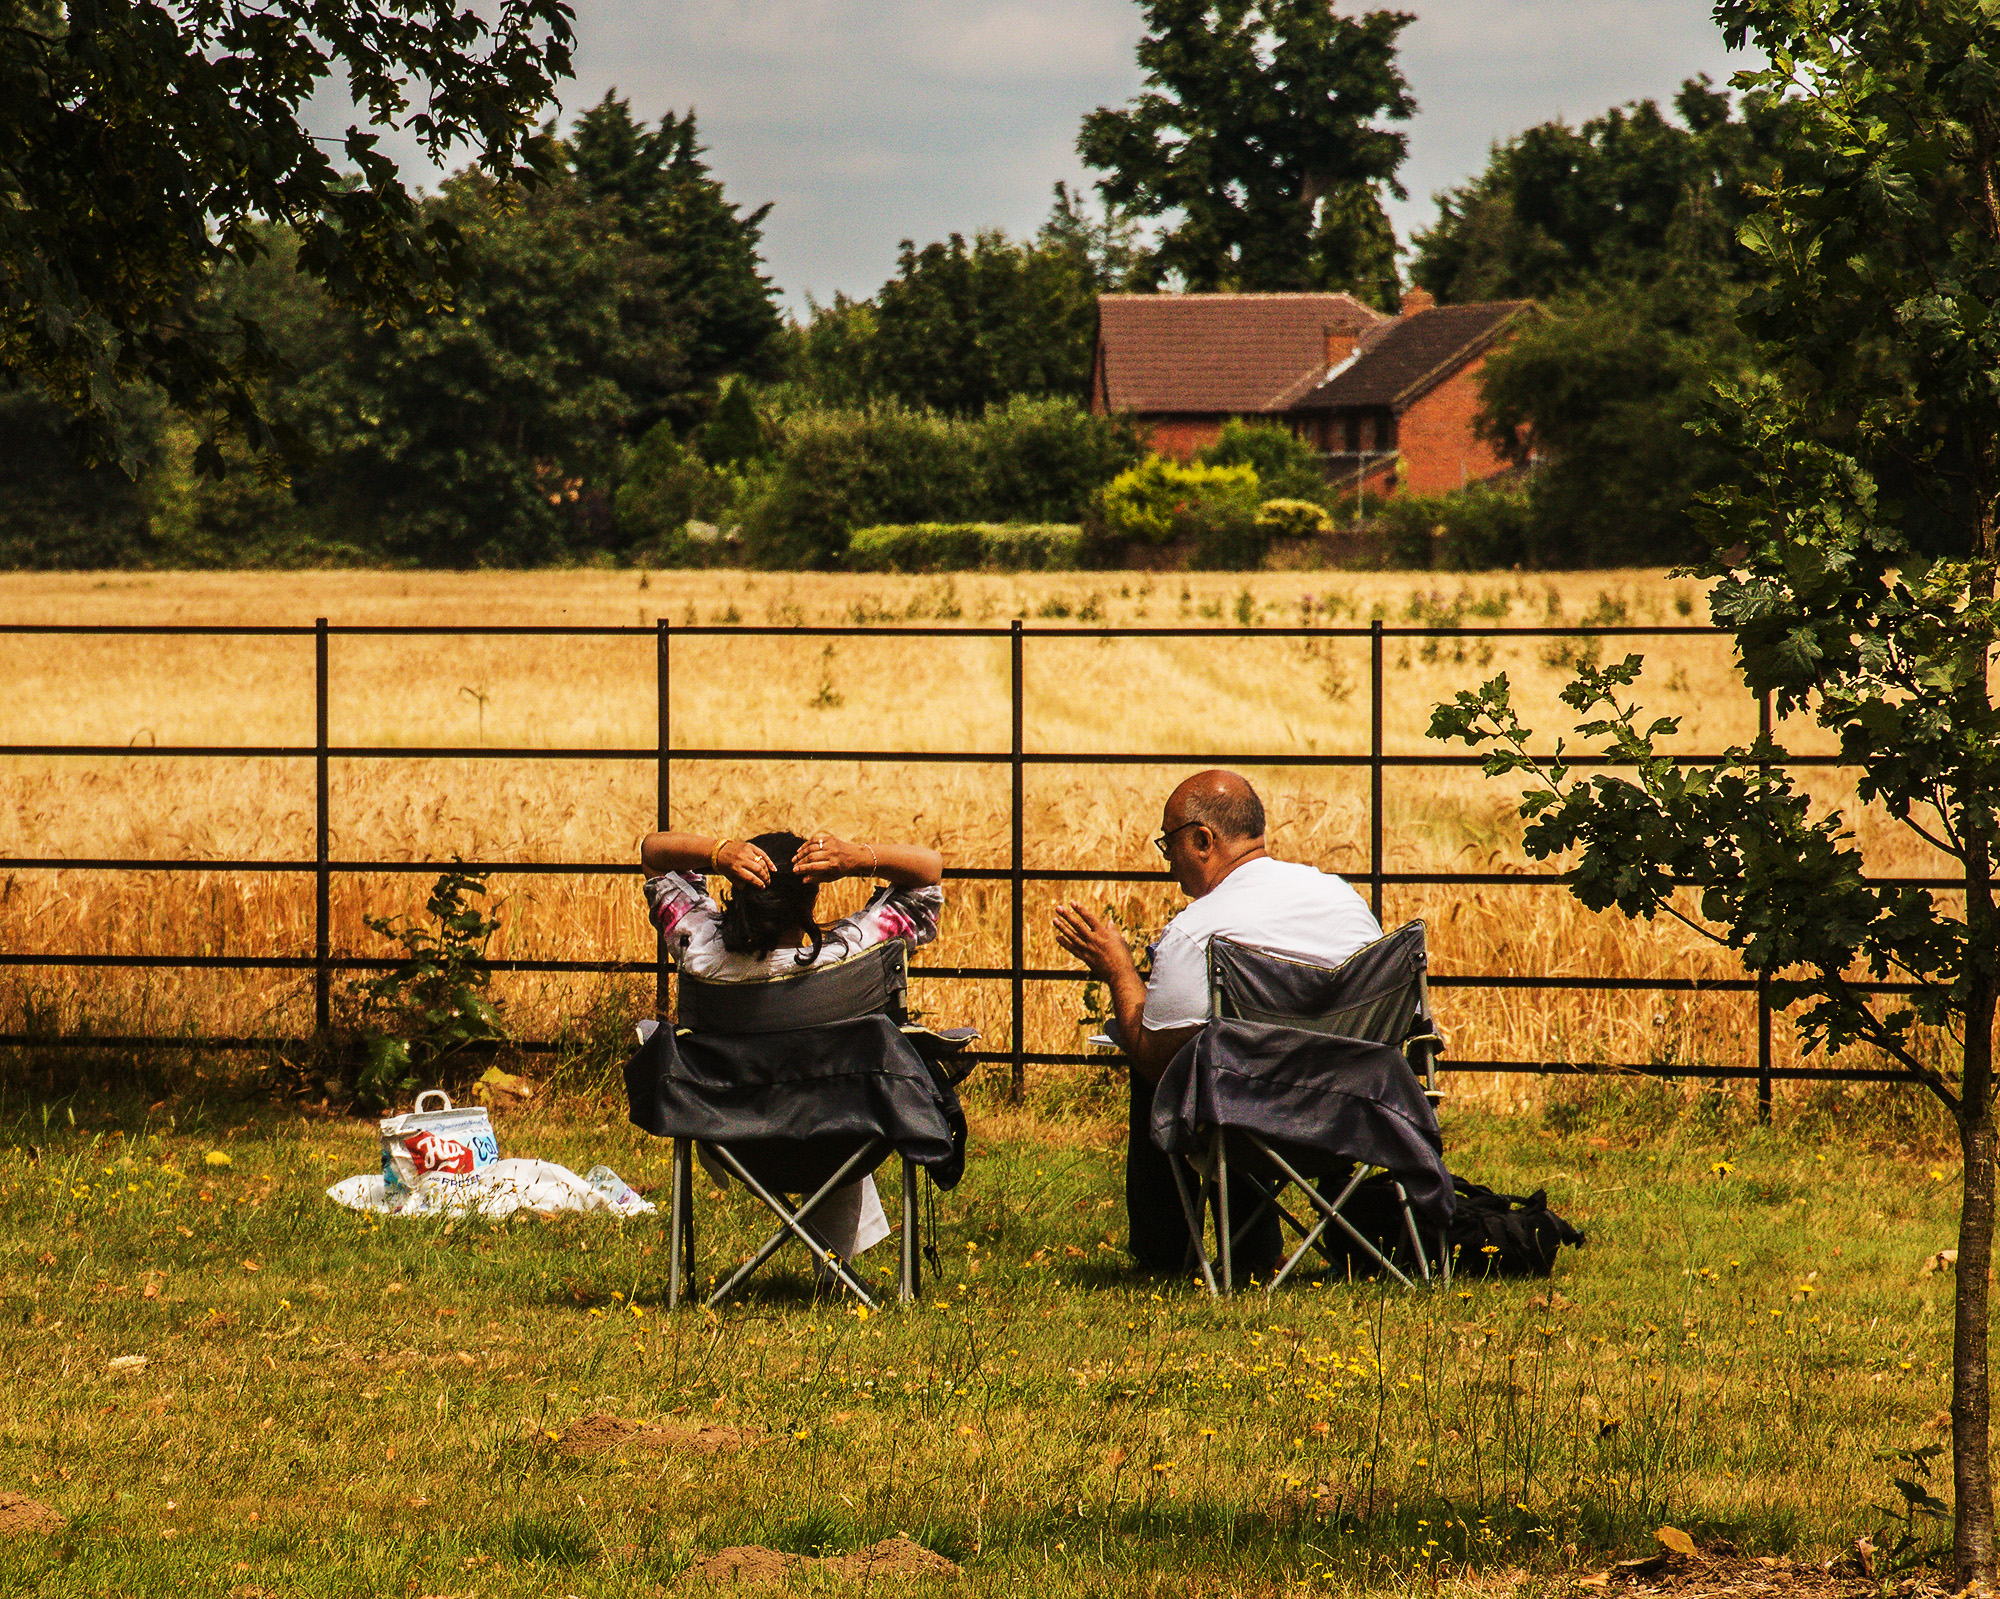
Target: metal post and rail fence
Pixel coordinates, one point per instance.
(323, 963)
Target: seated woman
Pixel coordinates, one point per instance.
(767, 928)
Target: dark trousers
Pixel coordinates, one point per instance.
(1159, 1235)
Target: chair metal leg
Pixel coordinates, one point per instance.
(1309, 1240)
(680, 1224)
(1416, 1242)
(863, 1159)
(1222, 1208)
(912, 1287)
(1194, 1208)
(1331, 1208)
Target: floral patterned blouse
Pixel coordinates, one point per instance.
(680, 907)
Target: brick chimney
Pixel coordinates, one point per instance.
(1415, 300)
(1340, 344)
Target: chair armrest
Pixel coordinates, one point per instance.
(940, 1048)
(952, 1038)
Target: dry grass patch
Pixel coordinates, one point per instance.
(600, 1434)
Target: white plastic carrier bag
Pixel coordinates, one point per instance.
(445, 1145)
(499, 1190)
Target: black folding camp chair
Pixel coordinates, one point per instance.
(799, 1086)
(1317, 1079)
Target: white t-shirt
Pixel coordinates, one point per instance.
(1282, 906)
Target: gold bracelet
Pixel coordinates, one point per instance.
(874, 862)
(715, 854)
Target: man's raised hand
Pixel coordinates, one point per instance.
(1092, 940)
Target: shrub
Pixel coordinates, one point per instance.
(433, 1003)
(966, 546)
(1220, 532)
(1293, 519)
(1146, 501)
(1286, 465)
(841, 470)
(1470, 529)
(1042, 460)
(667, 486)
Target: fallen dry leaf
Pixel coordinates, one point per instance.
(1674, 1539)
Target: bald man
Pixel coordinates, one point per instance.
(1212, 834)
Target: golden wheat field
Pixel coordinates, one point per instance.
(1181, 701)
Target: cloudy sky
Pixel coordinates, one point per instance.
(870, 121)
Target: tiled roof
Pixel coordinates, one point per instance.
(1233, 353)
(1410, 356)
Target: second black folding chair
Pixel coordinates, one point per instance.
(1317, 1080)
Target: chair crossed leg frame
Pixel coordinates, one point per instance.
(1211, 1189)
(792, 1224)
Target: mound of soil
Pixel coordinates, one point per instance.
(20, 1515)
(744, 1567)
(601, 1435)
(892, 1559)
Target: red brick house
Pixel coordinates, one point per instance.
(1388, 400)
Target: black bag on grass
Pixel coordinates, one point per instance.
(1504, 1235)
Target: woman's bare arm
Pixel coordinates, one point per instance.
(738, 859)
(823, 857)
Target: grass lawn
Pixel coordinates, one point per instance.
(336, 1405)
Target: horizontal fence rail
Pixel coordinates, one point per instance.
(323, 963)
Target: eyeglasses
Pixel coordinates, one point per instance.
(1160, 843)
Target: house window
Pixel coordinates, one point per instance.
(1353, 434)
(1385, 431)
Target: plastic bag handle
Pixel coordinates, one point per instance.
(433, 1093)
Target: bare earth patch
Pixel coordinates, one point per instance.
(891, 1559)
(1720, 1574)
(20, 1515)
(602, 1434)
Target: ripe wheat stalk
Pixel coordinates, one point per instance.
(1186, 700)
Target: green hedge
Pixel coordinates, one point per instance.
(966, 546)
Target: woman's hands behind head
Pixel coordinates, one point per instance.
(822, 858)
(743, 862)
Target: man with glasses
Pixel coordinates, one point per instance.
(1212, 835)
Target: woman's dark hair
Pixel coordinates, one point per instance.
(756, 921)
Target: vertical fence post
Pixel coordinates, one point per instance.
(663, 794)
(1017, 1077)
(323, 899)
(1375, 768)
(1763, 978)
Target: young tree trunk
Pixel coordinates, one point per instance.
(1971, 1461)
(1971, 1444)
(1971, 1448)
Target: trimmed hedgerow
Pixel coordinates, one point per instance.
(965, 546)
